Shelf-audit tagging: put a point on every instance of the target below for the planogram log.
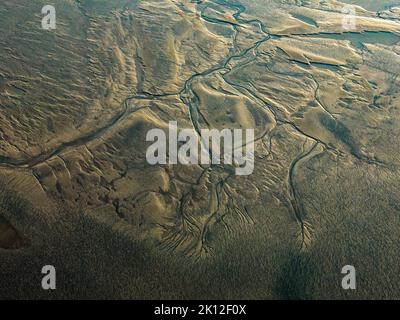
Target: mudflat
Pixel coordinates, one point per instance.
(76, 189)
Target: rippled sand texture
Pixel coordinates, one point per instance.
(76, 189)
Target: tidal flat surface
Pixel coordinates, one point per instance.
(76, 189)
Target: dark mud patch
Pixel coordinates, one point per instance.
(9, 237)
